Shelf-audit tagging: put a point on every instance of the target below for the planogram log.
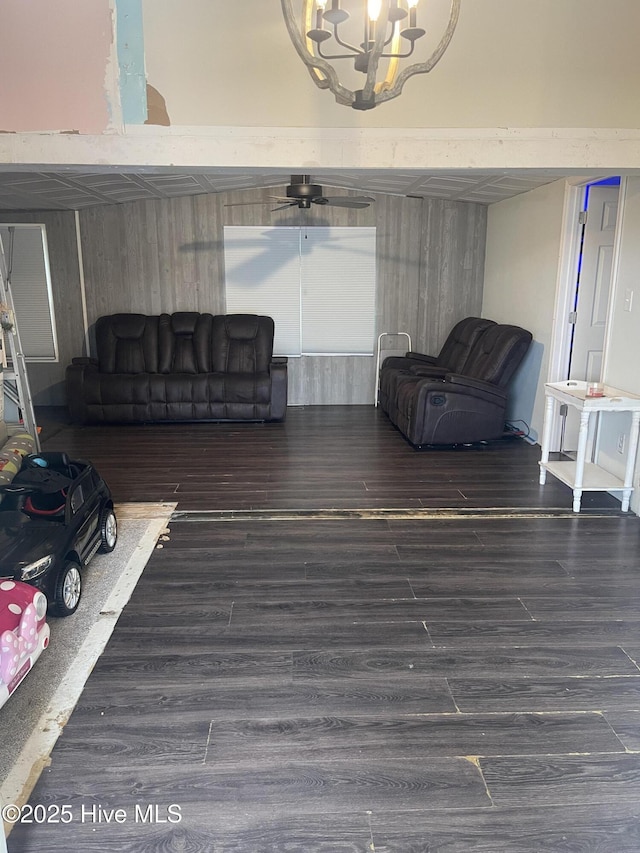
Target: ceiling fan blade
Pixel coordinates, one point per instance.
(272, 198)
(243, 203)
(282, 206)
(349, 201)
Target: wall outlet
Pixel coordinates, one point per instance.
(622, 440)
(628, 299)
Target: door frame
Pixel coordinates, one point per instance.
(568, 269)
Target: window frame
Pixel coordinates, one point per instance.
(53, 356)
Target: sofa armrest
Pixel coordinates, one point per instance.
(278, 371)
(407, 361)
(432, 371)
(75, 376)
(461, 382)
(420, 356)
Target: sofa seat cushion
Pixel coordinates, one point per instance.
(211, 388)
(143, 388)
(240, 387)
(104, 389)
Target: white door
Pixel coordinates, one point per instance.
(592, 296)
(594, 284)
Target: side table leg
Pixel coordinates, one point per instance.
(546, 436)
(583, 435)
(631, 461)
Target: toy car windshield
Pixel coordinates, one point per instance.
(45, 490)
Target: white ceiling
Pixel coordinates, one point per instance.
(76, 190)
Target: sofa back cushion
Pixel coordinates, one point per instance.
(460, 341)
(184, 342)
(497, 353)
(241, 343)
(127, 343)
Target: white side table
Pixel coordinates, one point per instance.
(582, 475)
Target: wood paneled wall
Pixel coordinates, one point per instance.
(168, 255)
(46, 379)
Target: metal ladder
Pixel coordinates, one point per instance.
(9, 333)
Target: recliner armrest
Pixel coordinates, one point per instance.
(429, 370)
(477, 384)
(279, 359)
(407, 361)
(420, 356)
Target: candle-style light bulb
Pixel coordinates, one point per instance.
(413, 14)
(375, 7)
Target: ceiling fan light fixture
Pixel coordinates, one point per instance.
(301, 193)
(316, 31)
(301, 188)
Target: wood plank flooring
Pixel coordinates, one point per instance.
(344, 683)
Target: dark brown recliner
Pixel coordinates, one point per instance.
(464, 407)
(450, 359)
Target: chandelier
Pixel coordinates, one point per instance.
(323, 31)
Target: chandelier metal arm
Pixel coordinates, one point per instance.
(359, 51)
(346, 44)
(339, 55)
(322, 74)
(397, 55)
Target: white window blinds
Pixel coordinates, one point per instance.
(338, 291)
(26, 256)
(318, 284)
(262, 275)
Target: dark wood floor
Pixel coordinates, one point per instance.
(362, 680)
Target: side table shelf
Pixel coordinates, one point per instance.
(581, 475)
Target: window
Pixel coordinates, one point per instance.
(318, 284)
(27, 260)
(77, 498)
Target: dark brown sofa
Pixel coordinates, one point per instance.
(185, 366)
(464, 403)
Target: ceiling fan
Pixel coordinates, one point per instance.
(302, 193)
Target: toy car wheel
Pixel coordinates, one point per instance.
(68, 590)
(108, 531)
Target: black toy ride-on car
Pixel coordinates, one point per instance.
(54, 516)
